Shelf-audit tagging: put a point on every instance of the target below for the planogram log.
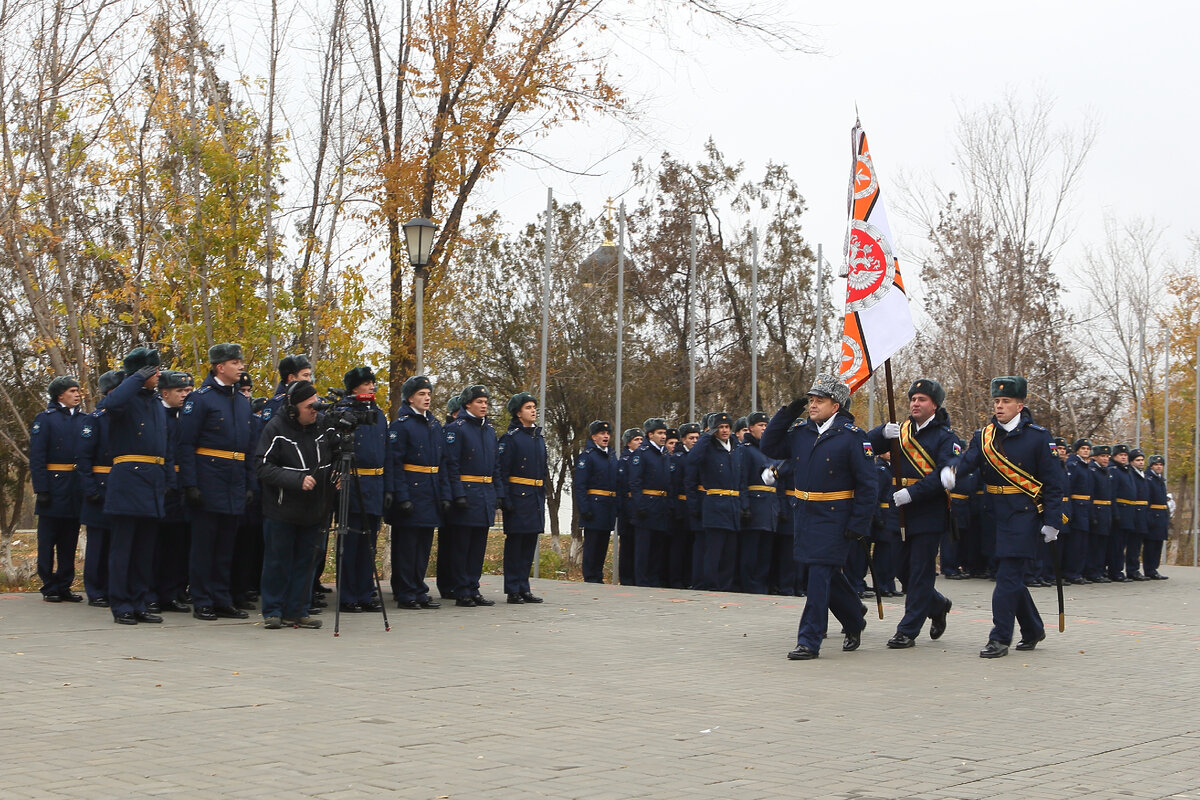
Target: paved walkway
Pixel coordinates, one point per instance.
(605, 692)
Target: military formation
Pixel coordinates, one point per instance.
(207, 501)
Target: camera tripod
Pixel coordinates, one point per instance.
(341, 523)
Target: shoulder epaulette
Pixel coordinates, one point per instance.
(99, 412)
(850, 426)
(1037, 427)
(203, 389)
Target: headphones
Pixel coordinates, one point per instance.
(289, 409)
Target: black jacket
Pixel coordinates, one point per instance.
(286, 453)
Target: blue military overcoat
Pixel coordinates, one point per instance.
(1159, 522)
(473, 470)
(215, 419)
(416, 469)
(370, 464)
(53, 440)
(927, 511)
(722, 473)
(650, 487)
(523, 474)
(595, 488)
(763, 499)
(93, 462)
(143, 466)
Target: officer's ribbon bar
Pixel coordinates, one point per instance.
(1009, 471)
(920, 459)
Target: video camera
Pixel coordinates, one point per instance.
(345, 412)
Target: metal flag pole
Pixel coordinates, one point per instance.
(754, 320)
(692, 328)
(537, 547)
(617, 431)
(1140, 384)
(820, 318)
(1166, 407)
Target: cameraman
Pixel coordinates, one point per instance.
(366, 494)
(294, 462)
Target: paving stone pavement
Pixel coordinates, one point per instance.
(605, 692)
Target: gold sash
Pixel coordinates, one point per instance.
(1016, 476)
(917, 456)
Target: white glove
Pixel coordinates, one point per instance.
(1049, 534)
(768, 477)
(891, 430)
(901, 498)
(947, 478)
(1171, 504)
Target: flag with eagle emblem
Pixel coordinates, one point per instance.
(878, 321)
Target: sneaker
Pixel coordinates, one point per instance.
(272, 623)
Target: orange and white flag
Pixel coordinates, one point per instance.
(878, 321)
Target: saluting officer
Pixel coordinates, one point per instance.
(1078, 527)
(1124, 509)
(595, 493)
(523, 475)
(418, 493)
(142, 471)
(474, 474)
(214, 440)
(926, 443)
(93, 463)
(631, 441)
(1100, 524)
(367, 486)
(1027, 484)
(649, 498)
(173, 543)
(723, 504)
(53, 440)
(1159, 523)
(833, 475)
(756, 539)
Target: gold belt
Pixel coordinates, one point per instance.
(909, 481)
(993, 489)
(230, 455)
(601, 493)
(419, 468)
(1081, 497)
(525, 481)
(681, 497)
(1102, 502)
(820, 497)
(139, 459)
(1156, 506)
(368, 471)
(61, 467)
(101, 470)
(1125, 502)
(1141, 502)
(475, 478)
(723, 492)
(770, 489)
(654, 492)
(956, 496)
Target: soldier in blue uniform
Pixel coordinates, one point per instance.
(1018, 465)
(53, 440)
(1079, 516)
(885, 531)
(142, 471)
(1124, 496)
(93, 463)
(926, 443)
(595, 493)
(684, 529)
(631, 442)
(1141, 516)
(246, 568)
(965, 547)
(366, 497)
(445, 585)
(214, 440)
(650, 500)
(1100, 524)
(474, 475)
(756, 539)
(740, 426)
(717, 464)
(172, 545)
(834, 479)
(785, 578)
(523, 475)
(292, 368)
(1159, 523)
(418, 492)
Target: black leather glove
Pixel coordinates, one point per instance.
(461, 503)
(94, 499)
(851, 535)
(641, 514)
(797, 406)
(445, 506)
(43, 498)
(746, 516)
(146, 373)
(406, 508)
(586, 515)
(388, 499)
(192, 496)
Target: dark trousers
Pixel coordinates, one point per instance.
(1073, 545)
(246, 569)
(649, 555)
(884, 554)
(923, 600)
(679, 557)
(827, 590)
(627, 553)
(1097, 549)
(467, 546)
(356, 571)
(130, 563)
(171, 548)
(783, 564)
(1114, 555)
(95, 562)
(290, 554)
(410, 562)
(57, 537)
(700, 580)
(1133, 553)
(445, 585)
(951, 559)
(1152, 555)
(971, 550)
(595, 553)
(720, 559)
(212, 558)
(1011, 601)
(519, 550)
(754, 560)
(855, 568)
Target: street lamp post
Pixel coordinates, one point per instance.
(418, 235)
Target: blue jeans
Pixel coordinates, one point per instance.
(289, 558)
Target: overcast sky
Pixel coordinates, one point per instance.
(1129, 67)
